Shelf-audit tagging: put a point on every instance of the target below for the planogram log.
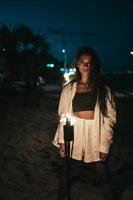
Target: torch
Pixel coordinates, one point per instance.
(68, 137)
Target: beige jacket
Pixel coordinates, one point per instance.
(103, 126)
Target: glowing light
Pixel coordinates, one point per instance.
(63, 50)
(63, 70)
(131, 52)
(67, 117)
(50, 65)
(67, 70)
(67, 76)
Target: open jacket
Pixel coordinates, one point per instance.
(102, 126)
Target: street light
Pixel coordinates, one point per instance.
(131, 53)
(65, 58)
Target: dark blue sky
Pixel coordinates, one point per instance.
(104, 25)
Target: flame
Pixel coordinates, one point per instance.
(67, 75)
(67, 117)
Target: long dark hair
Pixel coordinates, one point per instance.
(97, 81)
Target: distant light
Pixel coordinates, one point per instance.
(3, 49)
(129, 72)
(63, 50)
(51, 65)
(131, 52)
(40, 79)
(64, 70)
(68, 70)
(61, 69)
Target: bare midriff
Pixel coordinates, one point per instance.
(85, 114)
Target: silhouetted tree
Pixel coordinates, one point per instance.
(24, 52)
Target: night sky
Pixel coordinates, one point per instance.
(107, 26)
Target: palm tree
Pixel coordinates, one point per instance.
(29, 49)
(25, 52)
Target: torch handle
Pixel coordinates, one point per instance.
(68, 171)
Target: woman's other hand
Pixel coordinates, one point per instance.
(103, 156)
(62, 150)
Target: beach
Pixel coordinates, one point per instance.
(30, 164)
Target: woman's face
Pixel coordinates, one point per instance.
(84, 64)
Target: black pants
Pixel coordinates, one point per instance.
(100, 177)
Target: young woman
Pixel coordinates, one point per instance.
(91, 104)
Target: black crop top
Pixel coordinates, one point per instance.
(84, 101)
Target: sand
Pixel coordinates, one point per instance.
(30, 164)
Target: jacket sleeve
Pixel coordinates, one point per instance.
(107, 126)
(62, 109)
